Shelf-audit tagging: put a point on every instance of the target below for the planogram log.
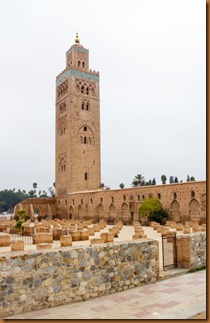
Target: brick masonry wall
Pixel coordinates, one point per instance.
(35, 280)
(191, 250)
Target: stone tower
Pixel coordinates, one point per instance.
(78, 166)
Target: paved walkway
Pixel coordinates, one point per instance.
(180, 297)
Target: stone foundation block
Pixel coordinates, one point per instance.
(76, 236)
(107, 237)
(42, 229)
(66, 240)
(41, 246)
(42, 238)
(84, 235)
(139, 236)
(96, 241)
(17, 245)
(4, 240)
(203, 227)
(186, 229)
(91, 231)
(195, 229)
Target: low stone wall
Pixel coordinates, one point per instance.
(191, 250)
(40, 279)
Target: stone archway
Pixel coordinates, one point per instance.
(80, 212)
(71, 213)
(175, 211)
(100, 212)
(126, 218)
(194, 210)
(112, 213)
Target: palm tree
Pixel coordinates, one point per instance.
(34, 185)
(138, 180)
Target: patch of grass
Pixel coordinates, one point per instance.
(193, 270)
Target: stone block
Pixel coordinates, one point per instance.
(179, 227)
(91, 231)
(96, 228)
(203, 227)
(84, 235)
(76, 236)
(17, 245)
(107, 237)
(139, 236)
(42, 229)
(66, 240)
(42, 238)
(41, 246)
(96, 241)
(164, 230)
(4, 240)
(196, 229)
(79, 226)
(186, 229)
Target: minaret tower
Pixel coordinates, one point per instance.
(78, 166)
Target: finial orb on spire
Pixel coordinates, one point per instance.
(77, 39)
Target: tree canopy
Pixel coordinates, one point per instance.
(153, 210)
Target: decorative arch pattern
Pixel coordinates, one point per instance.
(194, 208)
(86, 136)
(86, 88)
(175, 211)
(62, 89)
(112, 213)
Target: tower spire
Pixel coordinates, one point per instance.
(77, 38)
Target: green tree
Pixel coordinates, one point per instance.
(9, 198)
(22, 214)
(192, 178)
(52, 192)
(153, 210)
(171, 179)
(163, 179)
(188, 178)
(154, 181)
(32, 193)
(121, 185)
(138, 181)
(34, 185)
(176, 180)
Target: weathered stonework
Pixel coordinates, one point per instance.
(35, 280)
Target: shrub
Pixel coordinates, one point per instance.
(18, 224)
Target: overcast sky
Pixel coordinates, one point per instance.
(151, 55)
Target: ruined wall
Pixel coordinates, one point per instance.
(35, 280)
(46, 206)
(184, 201)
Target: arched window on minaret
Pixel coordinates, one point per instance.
(82, 89)
(85, 140)
(87, 90)
(83, 64)
(87, 106)
(78, 63)
(83, 105)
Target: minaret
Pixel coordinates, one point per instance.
(78, 166)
